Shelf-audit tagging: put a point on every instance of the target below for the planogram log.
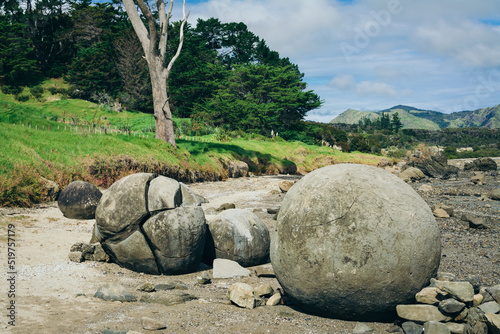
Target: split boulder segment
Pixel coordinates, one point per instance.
(79, 200)
(237, 235)
(353, 242)
(151, 224)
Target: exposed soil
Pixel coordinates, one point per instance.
(54, 295)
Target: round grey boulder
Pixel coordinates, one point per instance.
(237, 235)
(352, 242)
(78, 200)
(151, 224)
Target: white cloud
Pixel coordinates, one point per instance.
(430, 51)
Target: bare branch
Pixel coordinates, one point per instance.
(164, 20)
(135, 19)
(181, 39)
(151, 24)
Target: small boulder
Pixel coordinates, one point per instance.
(478, 179)
(495, 194)
(412, 174)
(474, 222)
(242, 294)
(76, 257)
(264, 290)
(434, 327)
(237, 169)
(409, 327)
(421, 313)
(204, 278)
(226, 206)
(274, 299)
(79, 200)
(481, 164)
(493, 322)
(224, 268)
(150, 324)
(451, 305)
(494, 291)
(440, 213)
(115, 292)
(490, 307)
(462, 291)
(285, 186)
(361, 328)
(455, 328)
(427, 296)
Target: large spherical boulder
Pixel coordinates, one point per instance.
(237, 235)
(352, 242)
(79, 200)
(151, 224)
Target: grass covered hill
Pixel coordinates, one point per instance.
(58, 139)
(414, 118)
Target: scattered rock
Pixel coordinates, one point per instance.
(151, 324)
(204, 278)
(237, 235)
(409, 327)
(435, 166)
(481, 164)
(224, 268)
(285, 186)
(462, 291)
(450, 306)
(434, 327)
(167, 299)
(494, 292)
(146, 287)
(440, 213)
(115, 292)
(425, 188)
(237, 169)
(79, 200)
(427, 296)
(333, 225)
(226, 206)
(421, 313)
(474, 222)
(493, 322)
(412, 174)
(361, 328)
(478, 299)
(274, 210)
(490, 307)
(76, 257)
(478, 179)
(495, 194)
(455, 328)
(264, 290)
(265, 270)
(242, 295)
(476, 283)
(274, 299)
(441, 276)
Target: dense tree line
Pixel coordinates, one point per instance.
(225, 76)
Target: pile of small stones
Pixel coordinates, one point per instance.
(450, 306)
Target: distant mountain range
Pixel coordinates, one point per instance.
(413, 118)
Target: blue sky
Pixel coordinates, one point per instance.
(442, 55)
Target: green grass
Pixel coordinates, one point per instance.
(30, 152)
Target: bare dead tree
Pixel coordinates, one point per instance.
(154, 43)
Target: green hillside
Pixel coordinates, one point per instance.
(414, 118)
(69, 139)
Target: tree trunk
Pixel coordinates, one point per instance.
(163, 117)
(154, 44)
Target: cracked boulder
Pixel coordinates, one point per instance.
(151, 224)
(352, 242)
(237, 235)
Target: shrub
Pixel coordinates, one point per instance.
(22, 97)
(37, 92)
(13, 90)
